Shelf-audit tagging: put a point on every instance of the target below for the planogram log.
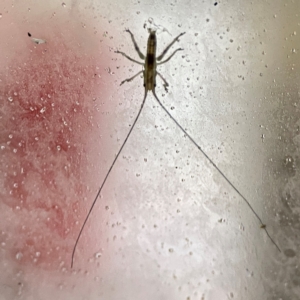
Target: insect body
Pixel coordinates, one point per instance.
(149, 73)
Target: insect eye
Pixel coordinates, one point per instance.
(144, 84)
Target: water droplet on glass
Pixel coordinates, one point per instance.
(19, 255)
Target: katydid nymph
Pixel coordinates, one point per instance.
(150, 62)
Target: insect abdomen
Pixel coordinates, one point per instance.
(150, 63)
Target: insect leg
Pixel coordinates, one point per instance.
(107, 174)
(263, 226)
(135, 61)
(162, 62)
(168, 47)
(131, 78)
(164, 80)
(136, 47)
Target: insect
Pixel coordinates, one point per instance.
(149, 73)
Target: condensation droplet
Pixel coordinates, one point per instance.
(19, 256)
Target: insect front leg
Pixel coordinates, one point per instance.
(164, 80)
(168, 47)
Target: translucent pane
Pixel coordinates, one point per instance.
(169, 223)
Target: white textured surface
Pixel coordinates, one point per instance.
(183, 233)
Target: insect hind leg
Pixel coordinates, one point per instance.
(136, 47)
(128, 57)
(162, 62)
(168, 47)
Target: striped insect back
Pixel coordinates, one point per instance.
(150, 63)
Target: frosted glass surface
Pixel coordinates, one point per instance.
(167, 225)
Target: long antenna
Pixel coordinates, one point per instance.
(263, 226)
(111, 167)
